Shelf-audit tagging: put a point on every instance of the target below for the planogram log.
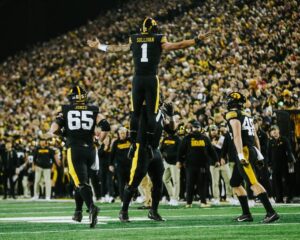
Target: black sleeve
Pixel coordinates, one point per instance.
(225, 147)
(113, 153)
(212, 152)
(34, 156)
(269, 154)
(288, 149)
(182, 150)
(59, 119)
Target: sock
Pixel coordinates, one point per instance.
(78, 200)
(127, 195)
(244, 204)
(263, 197)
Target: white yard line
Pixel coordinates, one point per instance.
(151, 228)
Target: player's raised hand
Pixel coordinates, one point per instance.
(93, 43)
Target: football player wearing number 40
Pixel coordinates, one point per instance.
(146, 48)
(81, 122)
(246, 155)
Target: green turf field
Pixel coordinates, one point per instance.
(51, 220)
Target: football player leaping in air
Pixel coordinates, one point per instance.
(146, 48)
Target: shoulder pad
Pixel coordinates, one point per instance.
(231, 115)
(246, 114)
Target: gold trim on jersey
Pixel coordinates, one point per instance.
(157, 95)
(163, 39)
(71, 168)
(230, 115)
(248, 169)
(79, 92)
(124, 145)
(134, 163)
(169, 142)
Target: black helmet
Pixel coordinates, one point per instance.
(149, 26)
(235, 100)
(77, 95)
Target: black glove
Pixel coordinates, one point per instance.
(104, 125)
(168, 109)
(260, 164)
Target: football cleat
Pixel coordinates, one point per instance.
(144, 207)
(155, 216)
(188, 206)
(123, 216)
(77, 217)
(244, 218)
(271, 217)
(93, 216)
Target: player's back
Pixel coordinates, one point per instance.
(79, 123)
(146, 49)
(247, 126)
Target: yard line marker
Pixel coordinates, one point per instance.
(155, 228)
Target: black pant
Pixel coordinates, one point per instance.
(80, 159)
(145, 89)
(123, 174)
(8, 175)
(106, 179)
(196, 177)
(141, 164)
(282, 184)
(95, 180)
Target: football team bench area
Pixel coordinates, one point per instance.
(52, 220)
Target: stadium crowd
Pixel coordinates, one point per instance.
(255, 50)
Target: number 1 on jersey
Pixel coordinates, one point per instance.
(144, 52)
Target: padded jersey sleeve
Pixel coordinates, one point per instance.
(231, 115)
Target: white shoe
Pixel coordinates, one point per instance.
(110, 199)
(215, 202)
(233, 201)
(140, 199)
(103, 200)
(164, 200)
(48, 199)
(173, 202)
(251, 203)
(35, 198)
(204, 205)
(272, 200)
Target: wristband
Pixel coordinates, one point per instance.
(102, 47)
(241, 156)
(198, 42)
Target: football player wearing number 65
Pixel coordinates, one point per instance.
(146, 48)
(244, 137)
(80, 123)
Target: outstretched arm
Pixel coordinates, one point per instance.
(199, 40)
(108, 48)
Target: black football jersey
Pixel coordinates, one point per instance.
(146, 50)
(79, 123)
(247, 126)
